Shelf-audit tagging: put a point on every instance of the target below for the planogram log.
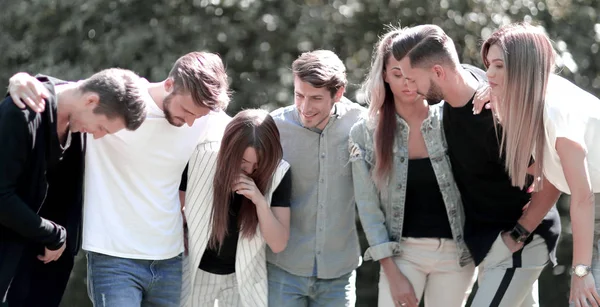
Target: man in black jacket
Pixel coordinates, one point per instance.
(41, 170)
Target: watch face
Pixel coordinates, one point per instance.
(581, 270)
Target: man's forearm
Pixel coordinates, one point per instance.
(541, 202)
(15, 215)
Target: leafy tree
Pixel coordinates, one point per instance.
(259, 39)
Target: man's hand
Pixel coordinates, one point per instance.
(27, 90)
(511, 244)
(52, 255)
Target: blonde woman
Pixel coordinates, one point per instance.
(559, 123)
(407, 198)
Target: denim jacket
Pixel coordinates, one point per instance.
(382, 214)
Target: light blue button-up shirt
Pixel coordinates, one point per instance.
(323, 218)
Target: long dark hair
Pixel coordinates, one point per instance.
(249, 128)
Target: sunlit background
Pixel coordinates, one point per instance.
(259, 39)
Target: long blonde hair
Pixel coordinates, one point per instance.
(529, 62)
(382, 111)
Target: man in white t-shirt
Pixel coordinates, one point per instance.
(132, 222)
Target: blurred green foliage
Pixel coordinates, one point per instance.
(258, 40)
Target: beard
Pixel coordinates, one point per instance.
(434, 95)
(168, 115)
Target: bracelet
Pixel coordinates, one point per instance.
(519, 233)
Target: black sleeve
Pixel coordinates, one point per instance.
(184, 177)
(16, 140)
(283, 193)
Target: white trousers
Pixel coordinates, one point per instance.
(431, 266)
(510, 279)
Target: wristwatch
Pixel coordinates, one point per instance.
(581, 270)
(519, 233)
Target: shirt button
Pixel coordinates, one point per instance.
(323, 155)
(402, 160)
(399, 187)
(321, 180)
(318, 252)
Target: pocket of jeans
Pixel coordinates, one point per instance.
(499, 251)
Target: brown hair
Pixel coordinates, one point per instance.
(382, 111)
(321, 68)
(249, 128)
(425, 45)
(529, 60)
(203, 75)
(119, 96)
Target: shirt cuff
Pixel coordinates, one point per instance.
(380, 251)
(61, 236)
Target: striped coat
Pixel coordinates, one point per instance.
(250, 264)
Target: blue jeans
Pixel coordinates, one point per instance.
(121, 282)
(289, 290)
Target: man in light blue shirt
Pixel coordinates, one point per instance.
(318, 265)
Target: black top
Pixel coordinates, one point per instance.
(490, 201)
(425, 213)
(222, 262)
(64, 200)
(30, 147)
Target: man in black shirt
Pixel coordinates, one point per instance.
(41, 168)
(509, 241)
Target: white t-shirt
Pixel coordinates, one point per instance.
(572, 113)
(131, 203)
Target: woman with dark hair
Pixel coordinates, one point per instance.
(408, 202)
(238, 199)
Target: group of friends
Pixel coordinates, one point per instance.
(455, 172)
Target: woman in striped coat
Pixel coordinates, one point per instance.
(233, 213)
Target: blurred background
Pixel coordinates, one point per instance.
(259, 39)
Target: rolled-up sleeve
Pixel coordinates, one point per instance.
(367, 199)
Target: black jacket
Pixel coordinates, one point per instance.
(30, 154)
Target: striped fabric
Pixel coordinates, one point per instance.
(250, 265)
(209, 288)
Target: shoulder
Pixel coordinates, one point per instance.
(213, 126)
(361, 126)
(11, 114)
(436, 112)
(350, 109)
(283, 113)
(207, 149)
(476, 71)
(283, 166)
(283, 170)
